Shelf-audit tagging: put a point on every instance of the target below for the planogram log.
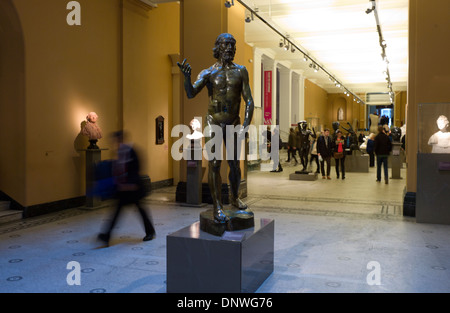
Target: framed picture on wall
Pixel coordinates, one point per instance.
(159, 130)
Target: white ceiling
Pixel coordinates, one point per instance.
(338, 35)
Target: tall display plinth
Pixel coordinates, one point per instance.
(93, 157)
(433, 181)
(238, 261)
(396, 160)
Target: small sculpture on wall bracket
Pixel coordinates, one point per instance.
(92, 130)
(159, 122)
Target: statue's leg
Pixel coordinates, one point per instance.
(214, 177)
(234, 176)
(304, 159)
(215, 186)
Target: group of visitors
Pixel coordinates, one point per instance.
(329, 146)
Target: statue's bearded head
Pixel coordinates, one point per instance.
(225, 47)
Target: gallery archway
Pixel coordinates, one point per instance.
(12, 103)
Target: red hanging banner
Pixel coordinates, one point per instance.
(267, 97)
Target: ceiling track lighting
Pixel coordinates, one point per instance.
(383, 46)
(369, 10)
(287, 44)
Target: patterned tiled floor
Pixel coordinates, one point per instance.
(329, 237)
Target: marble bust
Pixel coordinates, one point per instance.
(196, 130)
(440, 141)
(92, 130)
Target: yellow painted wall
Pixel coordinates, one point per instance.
(149, 37)
(316, 104)
(70, 71)
(115, 63)
(12, 103)
(400, 108)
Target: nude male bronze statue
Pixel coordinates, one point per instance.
(226, 82)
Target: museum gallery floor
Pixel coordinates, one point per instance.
(330, 236)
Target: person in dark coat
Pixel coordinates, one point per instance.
(339, 153)
(324, 151)
(129, 186)
(382, 147)
(292, 146)
(369, 149)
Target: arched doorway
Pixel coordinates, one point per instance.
(12, 103)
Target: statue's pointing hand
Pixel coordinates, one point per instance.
(185, 68)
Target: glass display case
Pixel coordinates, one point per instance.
(433, 128)
(433, 163)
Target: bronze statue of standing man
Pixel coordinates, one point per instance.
(226, 83)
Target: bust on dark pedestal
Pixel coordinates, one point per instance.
(92, 130)
(93, 156)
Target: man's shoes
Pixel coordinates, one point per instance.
(343, 177)
(328, 177)
(323, 177)
(149, 237)
(274, 171)
(378, 181)
(386, 182)
(104, 238)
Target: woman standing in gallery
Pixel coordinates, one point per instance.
(338, 153)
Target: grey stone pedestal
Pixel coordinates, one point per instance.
(238, 261)
(433, 181)
(396, 160)
(93, 157)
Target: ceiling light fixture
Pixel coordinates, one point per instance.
(284, 41)
(383, 46)
(228, 4)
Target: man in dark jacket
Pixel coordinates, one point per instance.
(324, 152)
(129, 187)
(382, 147)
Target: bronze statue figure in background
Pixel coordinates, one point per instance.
(305, 144)
(353, 137)
(226, 83)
